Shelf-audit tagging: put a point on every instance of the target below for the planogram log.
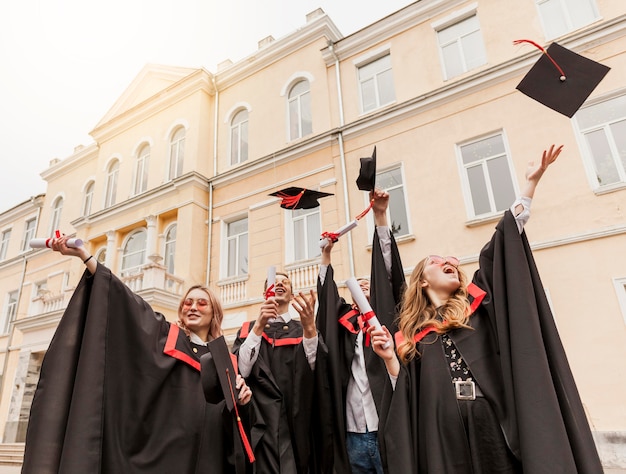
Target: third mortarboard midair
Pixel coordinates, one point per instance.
(561, 79)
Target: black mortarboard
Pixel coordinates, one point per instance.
(299, 198)
(367, 174)
(561, 79)
(218, 374)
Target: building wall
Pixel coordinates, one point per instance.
(577, 229)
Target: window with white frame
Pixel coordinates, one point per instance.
(559, 17)
(5, 238)
(304, 233)
(376, 83)
(170, 248)
(603, 128)
(397, 216)
(88, 198)
(177, 153)
(300, 118)
(487, 176)
(134, 253)
(461, 47)
(111, 187)
(237, 248)
(620, 289)
(141, 170)
(29, 233)
(10, 309)
(239, 137)
(55, 220)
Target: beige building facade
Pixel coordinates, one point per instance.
(175, 190)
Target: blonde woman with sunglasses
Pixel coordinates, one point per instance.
(121, 390)
(481, 383)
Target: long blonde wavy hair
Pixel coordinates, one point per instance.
(215, 328)
(418, 311)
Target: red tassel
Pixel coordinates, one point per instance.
(242, 432)
(360, 216)
(543, 50)
(290, 201)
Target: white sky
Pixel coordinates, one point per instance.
(63, 63)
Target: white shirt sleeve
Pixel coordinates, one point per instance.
(394, 380)
(522, 218)
(310, 350)
(384, 237)
(322, 274)
(248, 354)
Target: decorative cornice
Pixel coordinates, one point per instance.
(199, 80)
(320, 27)
(139, 202)
(293, 152)
(387, 27)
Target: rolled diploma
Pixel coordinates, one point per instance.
(346, 228)
(271, 281)
(44, 243)
(364, 305)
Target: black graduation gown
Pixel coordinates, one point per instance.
(338, 324)
(120, 392)
(292, 431)
(516, 357)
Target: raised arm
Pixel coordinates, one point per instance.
(535, 172)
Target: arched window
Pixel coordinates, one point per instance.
(170, 248)
(88, 199)
(55, 219)
(101, 255)
(177, 153)
(300, 118)
(239, 138)
(134, 254)
(141, 170)
(111, 187)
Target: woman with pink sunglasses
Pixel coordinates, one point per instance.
(481, 383)
(123, 390)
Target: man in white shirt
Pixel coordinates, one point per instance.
(277, 356)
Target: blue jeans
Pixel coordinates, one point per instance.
(363, 453)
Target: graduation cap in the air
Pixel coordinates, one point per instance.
(218, 375)
(299, 198)
(561, 79)
(367, 174)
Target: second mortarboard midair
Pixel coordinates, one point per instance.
(299, 198)
(366, 180)
(561, 79)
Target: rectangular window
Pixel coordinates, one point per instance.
(4, 243)
(603, 127)
(306, 230)
(29, 233)
(562, 16)
(237, 244)
(376, 84)
(461, 46)
(487, 176)
(10, 310)
(397, 215)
